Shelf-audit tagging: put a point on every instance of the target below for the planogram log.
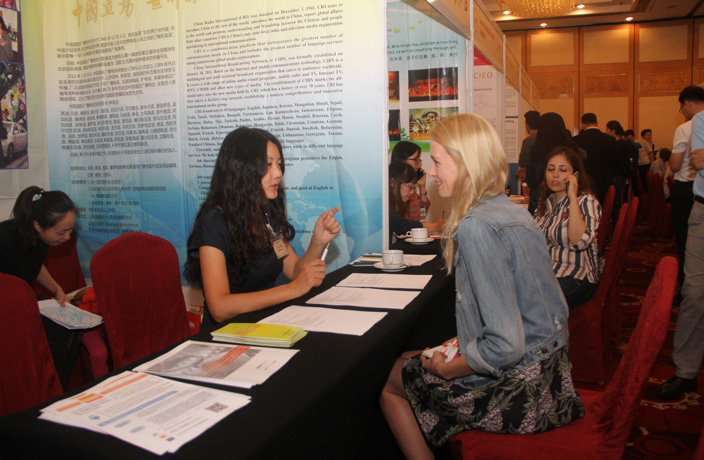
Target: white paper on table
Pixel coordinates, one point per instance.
(385, 280)
(225, 364)
(151, 412)
(320, 319)
(69, 316)
(365, 297)
(417, 259)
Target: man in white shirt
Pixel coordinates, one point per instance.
(681, 196)
(688, 344)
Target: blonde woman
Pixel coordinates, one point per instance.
(512, 371)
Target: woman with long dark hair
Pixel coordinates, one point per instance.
(569, 215)
(410, 153)
(402, 178)
(551, 133)
(40, 218)
(241, 237)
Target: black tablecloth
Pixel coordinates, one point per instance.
(318, 406)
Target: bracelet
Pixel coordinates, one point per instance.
(424, 194)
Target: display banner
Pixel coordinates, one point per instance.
(140, 95)
(427, 74)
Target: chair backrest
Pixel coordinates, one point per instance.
(138, 285)
(62, 262)
(610, 271)
(628, 226)
(27, 373)
(605, 225)
(617, 406)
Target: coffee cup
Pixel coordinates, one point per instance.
(392, 258)
(418, 233)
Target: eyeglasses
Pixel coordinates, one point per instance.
(416, 160)
(409, 186)
(682, 105)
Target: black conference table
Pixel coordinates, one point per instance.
(323, 404)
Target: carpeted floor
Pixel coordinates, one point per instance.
(663, 430)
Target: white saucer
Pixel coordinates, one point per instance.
(384, 268)
(419, 241)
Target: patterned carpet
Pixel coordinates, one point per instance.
(663, 430)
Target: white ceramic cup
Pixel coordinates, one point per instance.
(418, 233)
(392, 258)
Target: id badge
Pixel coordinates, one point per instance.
(279, 247)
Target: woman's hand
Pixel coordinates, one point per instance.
(448, 371)
(309, 276)
(61, 297)
(422, 180)
(326, 227)
(572, 187)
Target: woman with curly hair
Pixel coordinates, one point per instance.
(512, 372)
(241, 237)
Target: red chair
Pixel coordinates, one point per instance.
(613, 305)
(138, 286)
(62, 262)
(644, 203)
(604, 430)
(604, 230)
(589, 352)
(27, 375)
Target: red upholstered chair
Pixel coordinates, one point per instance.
(62, 262)
(613, 305)
(644, 203)
(603, 432)
(138, 286)
(590, 350)
(604, 230)
(699, 452)
(27, 373)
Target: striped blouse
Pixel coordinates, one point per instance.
(579, 260)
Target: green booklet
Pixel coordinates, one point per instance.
(268, 335)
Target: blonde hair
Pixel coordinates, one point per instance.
(476, 149)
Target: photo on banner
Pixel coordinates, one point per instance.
(13, 95)
(141, 95)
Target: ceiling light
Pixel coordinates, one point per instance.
(629, 18)
(539, 8)
(580, 6)
(507, 12)
(543, 24)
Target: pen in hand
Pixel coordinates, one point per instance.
(325, 252)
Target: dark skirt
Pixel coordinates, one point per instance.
(534, 399)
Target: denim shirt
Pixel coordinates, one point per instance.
(509, 308)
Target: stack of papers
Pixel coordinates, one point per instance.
(69, 316)
(266, 335)
(327, 319)
(232, 365)
(151, 412)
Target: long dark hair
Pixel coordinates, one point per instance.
(236, 189)
(576, 162)
(616, 127)
(403, 150)
(551, 133)
(44, 207)
(400, 173)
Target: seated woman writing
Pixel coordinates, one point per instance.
(513, 373)
(241, 237)
(402, 179)
(569, 214)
